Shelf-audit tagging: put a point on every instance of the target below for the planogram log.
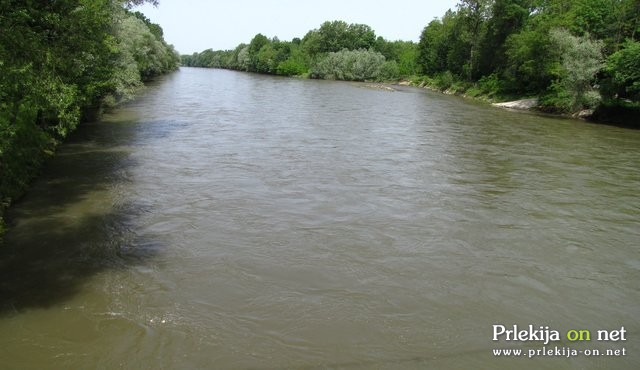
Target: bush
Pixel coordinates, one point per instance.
(557, 99)
(581, 60)
(624, 68)
(490, 85)
(291, 67)
(591, 99)
(389, 71)
(443, 81)
(349, 65)
(474, 91)
(460, 87)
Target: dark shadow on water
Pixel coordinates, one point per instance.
(70, 225)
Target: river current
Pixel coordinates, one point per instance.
(228, 220)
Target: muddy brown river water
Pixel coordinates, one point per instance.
(226, 220)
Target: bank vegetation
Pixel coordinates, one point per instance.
(571, 55)
(63, 62)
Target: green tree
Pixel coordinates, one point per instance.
(436, 42)
(267, 59)
(59, 61)
(473, 16)
(507, 17)
(360, 36)
(243, 59)
(257, 43)
(295, 64)
(142, 41)
(623, 67)
(337, 35)
(350, 65)
(403, 53)
(56, 58)
(581, 59)
(530, 64)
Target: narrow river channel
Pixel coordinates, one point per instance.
(228, 220)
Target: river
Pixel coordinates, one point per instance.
(238, 221)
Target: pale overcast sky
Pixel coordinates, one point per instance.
(196, 25)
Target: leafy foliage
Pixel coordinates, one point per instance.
(351, 65)
(335, 50)
(624, 70)
(553, 48)
(581, 58)
(60, 61)
(338, 35)
(569, 53)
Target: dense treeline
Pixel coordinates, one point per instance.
(62, 62)
(573, 54)
(336, 50)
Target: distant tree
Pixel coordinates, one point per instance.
(351, 65)
(257, 43)
(442, 46)
(530, 62)
(333, 36)
(267, 59)
(403, 53)
(337, 35)
(295, 64)
(360, 36)
(244, 59)
(507, 17)
(473, 15)
(432, 51)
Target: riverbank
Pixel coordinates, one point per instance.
(98, 56)
(26, 148)
(623, 113)
(22, 154)
(305, 221)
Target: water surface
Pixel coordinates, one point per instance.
(231, 220)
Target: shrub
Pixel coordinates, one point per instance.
(350, 65)
(389, 71)
(490, 85)
(624, 68)
(557, 99)
(443, 81)
(291, 67)
(581, 59)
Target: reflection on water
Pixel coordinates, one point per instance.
(69, 227)
(232, 220)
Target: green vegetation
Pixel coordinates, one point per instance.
(573, 55)
(62, 62)
(336, 50)
(569, 53)
(352, 65)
